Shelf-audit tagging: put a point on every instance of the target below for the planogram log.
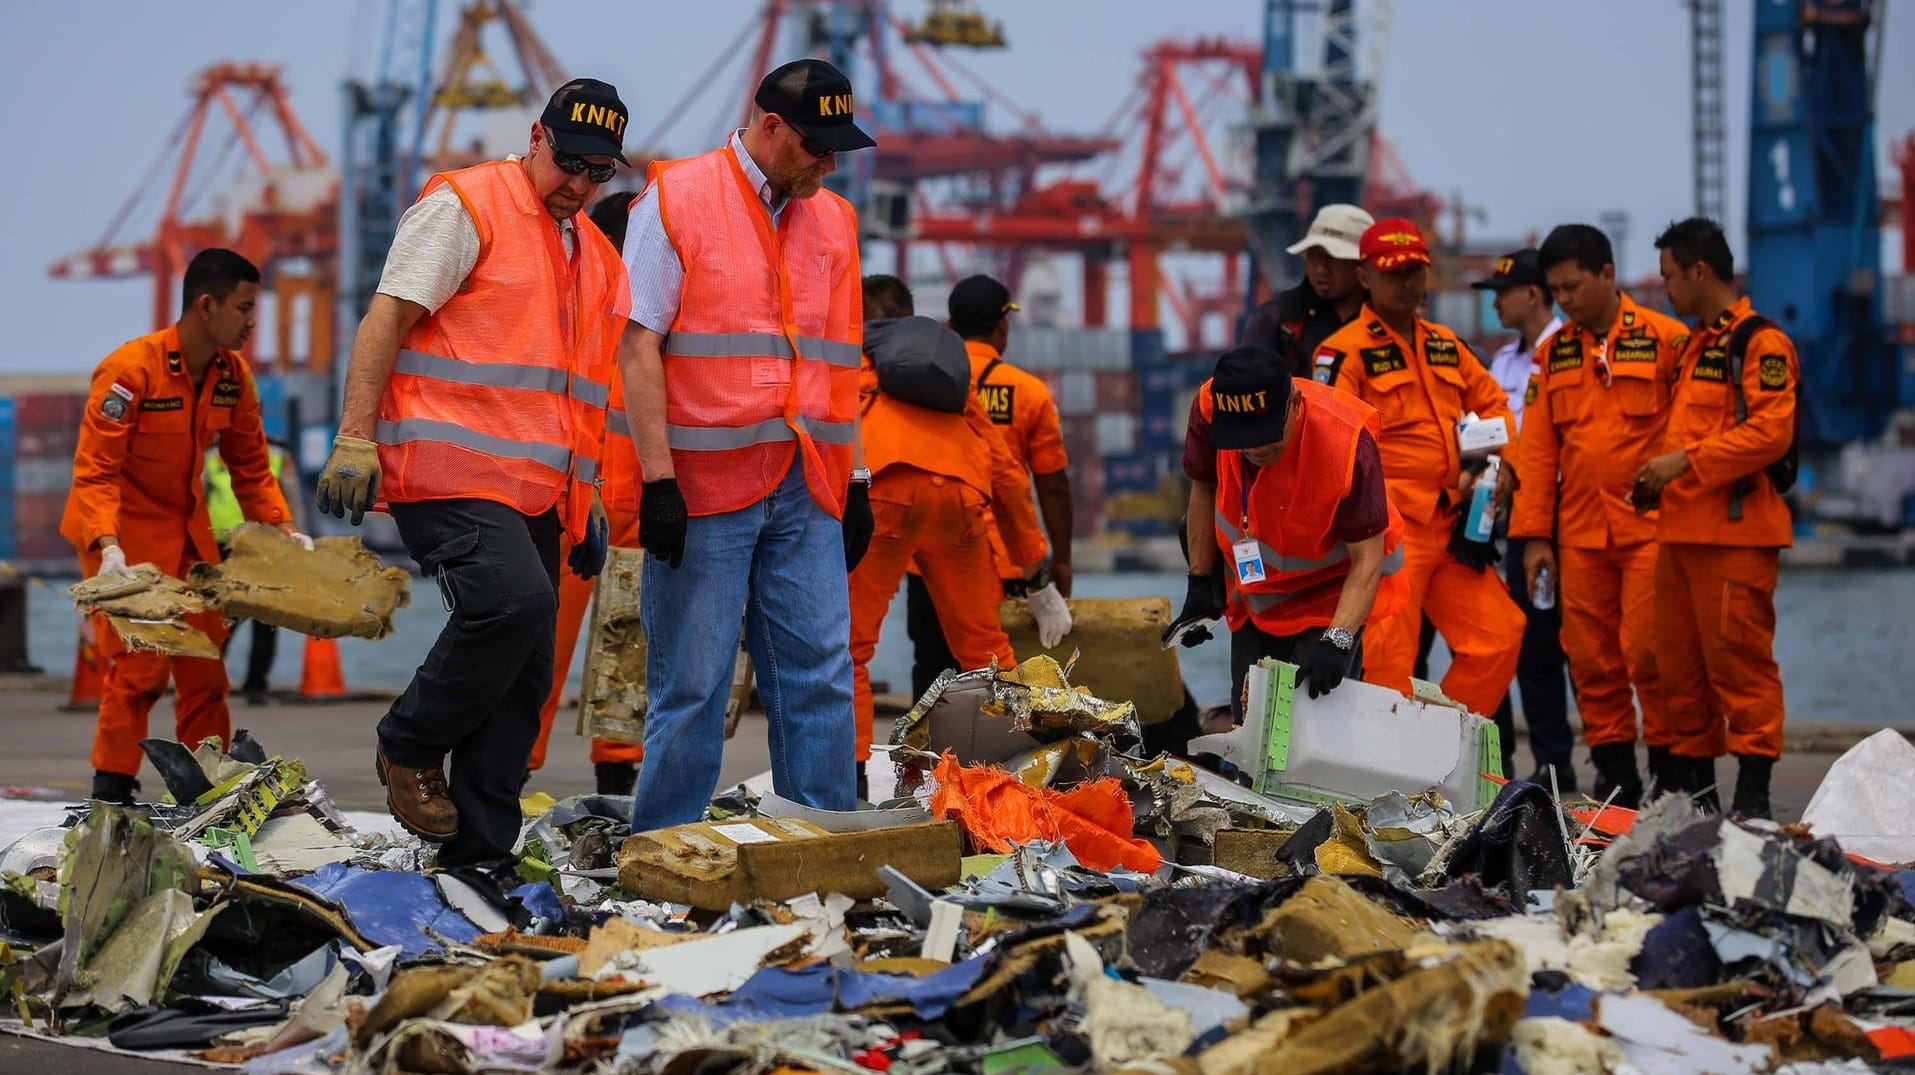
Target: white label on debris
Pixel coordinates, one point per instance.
(744, 834)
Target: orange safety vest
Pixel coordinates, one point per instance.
(1290, 512)
(762, 359)
(500, 395)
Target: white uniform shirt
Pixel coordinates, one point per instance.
(436, 247)
(1510, 366)
(652, 267)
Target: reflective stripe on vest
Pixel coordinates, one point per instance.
(1259, 603)
(502, 375)
(616, 422)
(756, 344)
(1276, 563)
(770, 431)
(411, 430)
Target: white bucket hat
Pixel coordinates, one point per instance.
(1337, 229)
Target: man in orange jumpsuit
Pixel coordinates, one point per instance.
(939, 477)
(1599, 397)
(1722, 522)
(151, 414)
(1021, 408)
(1422, 379)
(614, 765)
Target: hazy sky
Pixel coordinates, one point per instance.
(1538, 111)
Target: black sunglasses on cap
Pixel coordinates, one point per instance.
(572, 164)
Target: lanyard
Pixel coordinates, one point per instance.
(1243, 490)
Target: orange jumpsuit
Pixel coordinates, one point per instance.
(619, 491)
(1597, 435)
(1020, 406)
(1420, 389)
(1715, 578)
(136, 475)
(939, 483)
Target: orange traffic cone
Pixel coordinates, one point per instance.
(89, 669)
(320, 676)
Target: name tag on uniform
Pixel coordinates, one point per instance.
(770, 371)
(1249, 561)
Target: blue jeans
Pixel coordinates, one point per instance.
(779, 566)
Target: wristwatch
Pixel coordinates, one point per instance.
(862, 474)
(1340, 638)
(1040, 580)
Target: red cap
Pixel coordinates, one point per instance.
(1392, 243)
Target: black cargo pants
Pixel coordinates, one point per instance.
(477, 695)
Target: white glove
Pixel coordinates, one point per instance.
(305, 542)
(113, 562)
(1053, 615)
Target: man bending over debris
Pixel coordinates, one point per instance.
(151, 414)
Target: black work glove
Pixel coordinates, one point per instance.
(1475, 555)
(858, 524)
(1325, 666)
(1203, 600)
(661, 520)
(588, 555)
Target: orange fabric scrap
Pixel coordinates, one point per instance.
(999, 811)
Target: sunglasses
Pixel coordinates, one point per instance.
(809, 145)
(572, 164)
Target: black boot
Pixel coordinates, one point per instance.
(1616, 772)
(1565, 776)
(864, 784)
(1659, 773)
(1752, 786)
(1698, 777)
(615, 777)
(116, 788)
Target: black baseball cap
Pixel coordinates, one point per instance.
(1249, 398)
(1517, 268)
(815, 98)
(587, 119)
(978, 301)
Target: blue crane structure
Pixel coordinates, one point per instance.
(1814, 260)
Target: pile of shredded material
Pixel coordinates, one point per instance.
(1039, 896)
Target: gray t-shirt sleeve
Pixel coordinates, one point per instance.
(433, 252)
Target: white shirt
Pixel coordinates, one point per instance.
(652, 268)
(436, 247)
(1510, 366)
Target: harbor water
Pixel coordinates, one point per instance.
(1845, 640)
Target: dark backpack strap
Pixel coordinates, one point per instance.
(988, 368)
(1738, 352)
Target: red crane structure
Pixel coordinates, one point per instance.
(279, 211)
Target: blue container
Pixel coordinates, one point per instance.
(8, 442)
(272, 404)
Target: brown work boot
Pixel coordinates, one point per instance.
(419, 800)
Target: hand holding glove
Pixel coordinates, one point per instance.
(113, 562)
(1325, 666)
(1203, 601)
(1052, 614)
(1475, 555)
(350, 482)
(858, 524)
(588, 554)
(661, 520)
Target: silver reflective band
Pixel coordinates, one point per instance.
(770, 431)
(753, 344)
(616, 422)
(1274, 561)
(413, 430)
(590, 392)
(587, 471)
(488, 374)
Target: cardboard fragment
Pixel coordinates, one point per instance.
(622, 935)
(496, 994)
(1251, 852)
(147, 611)
(1327, 919)
(712, 866)
(1115, 642)
(338, 590)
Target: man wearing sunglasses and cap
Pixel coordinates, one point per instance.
(741, 381)
(1308, 541)
(475, 413)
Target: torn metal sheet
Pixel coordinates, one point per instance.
(1772, 873)
(1866, 799)
(771, 804)
(1038, 697)
(1657, 1041)
(338, 590)
(139, 959)
(1113, 650)
(710, 964)
(115, 860)
(298, 843)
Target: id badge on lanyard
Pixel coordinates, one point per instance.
(1247, 553)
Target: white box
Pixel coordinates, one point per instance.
(1481, 436)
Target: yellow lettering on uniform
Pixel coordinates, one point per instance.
(578, 111)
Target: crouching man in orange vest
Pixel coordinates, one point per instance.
(475, 411)
(741, 379)
(1310, 543)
